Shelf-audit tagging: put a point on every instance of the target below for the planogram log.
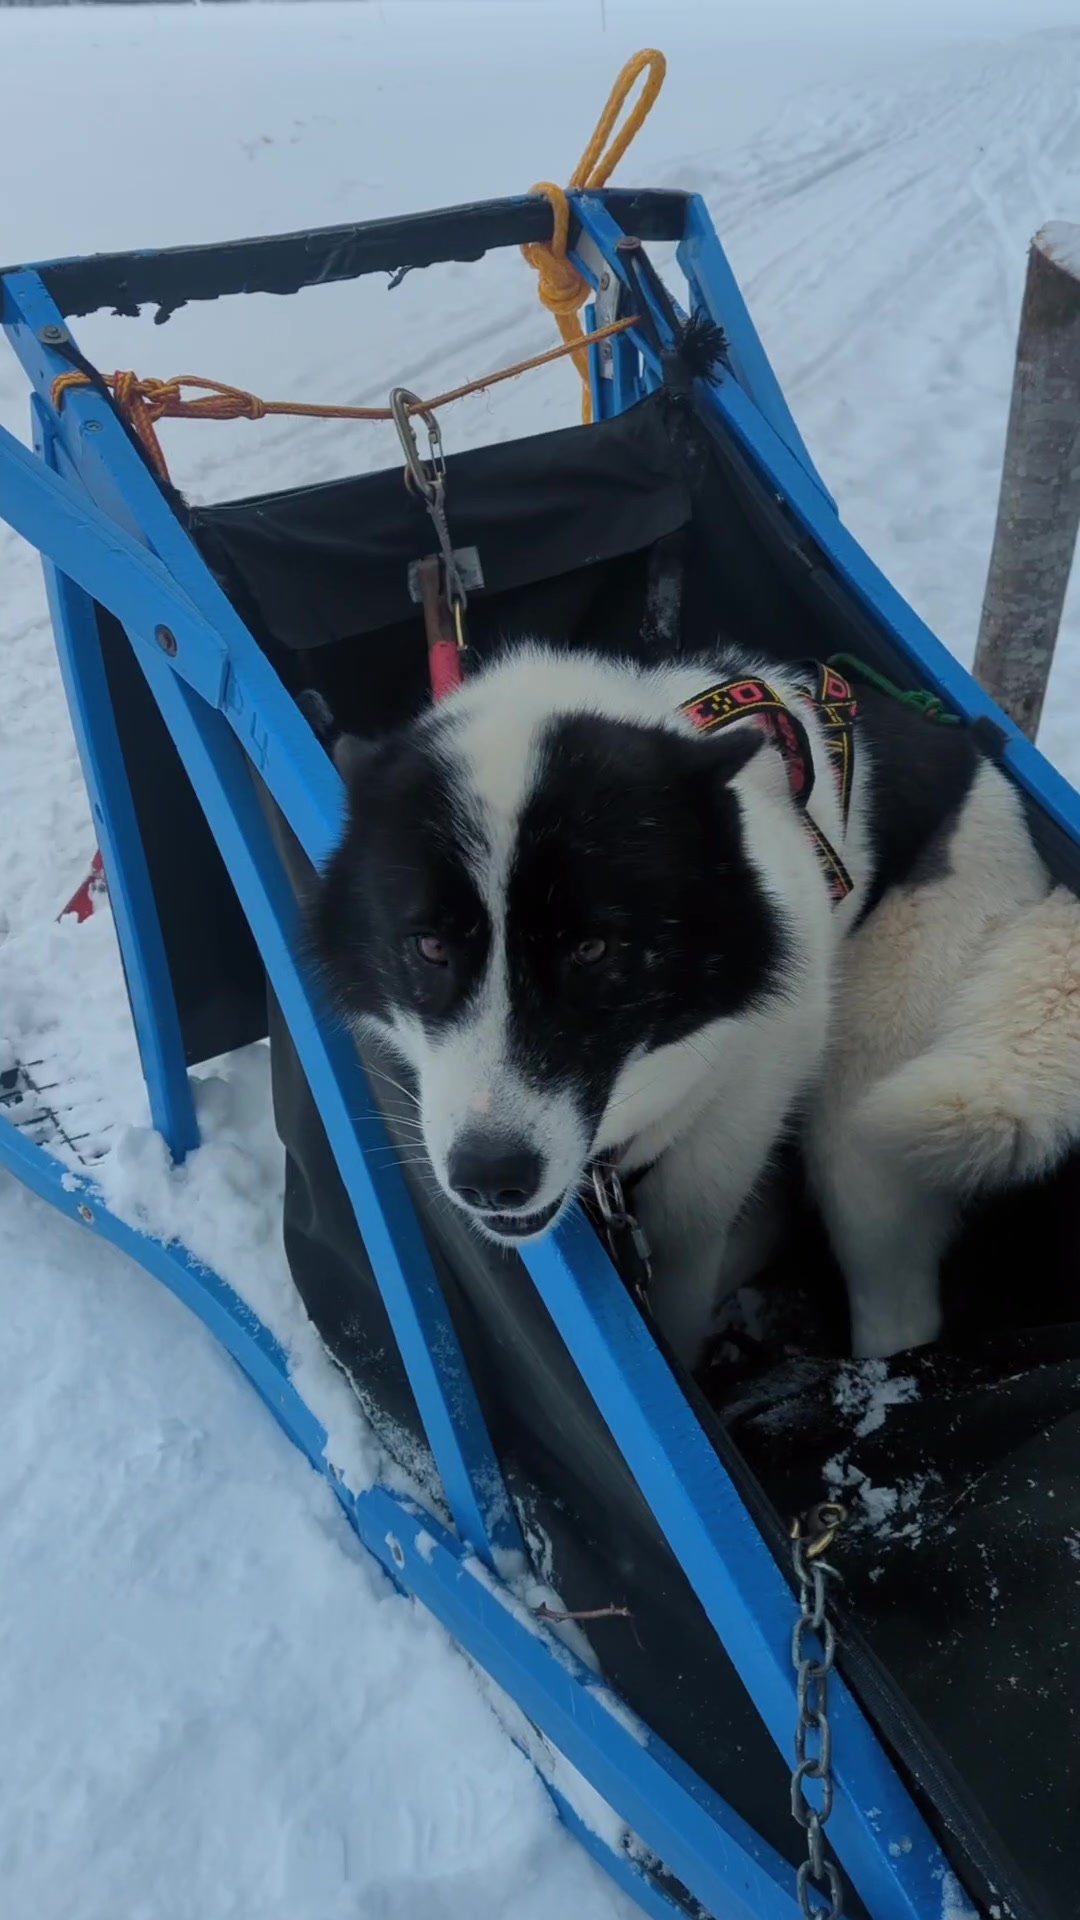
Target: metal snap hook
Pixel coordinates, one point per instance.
(428, 476)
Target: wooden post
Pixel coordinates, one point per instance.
(1039, 507)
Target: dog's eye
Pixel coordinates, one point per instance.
(588, 952)
(430, 948)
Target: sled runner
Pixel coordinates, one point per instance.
(928, 1764)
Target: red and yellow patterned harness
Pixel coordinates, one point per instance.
(834, 706)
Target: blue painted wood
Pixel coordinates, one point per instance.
(217, 653)
(625, 386)
(131, 897)
(218, 1306)
(329, 1062)
(679, 1819)
(746, 1596)
(716, 291)
(107, 563)
(733, 404)
(449, 1408)
(114, 569)
(642, 1886)
(141, 561)
(598, 226)
(602, 391)
(726, 407)
(729, 1566)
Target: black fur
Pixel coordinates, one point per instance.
(920, 775)
(397, 875)
(631, 836)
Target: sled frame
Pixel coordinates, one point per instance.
(85, 498)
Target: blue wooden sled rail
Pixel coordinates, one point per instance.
(90, 505)
(671, 1812)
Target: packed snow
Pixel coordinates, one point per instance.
(212, 1702)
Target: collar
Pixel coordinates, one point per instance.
(831, 700)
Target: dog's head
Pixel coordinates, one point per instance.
(542, 896)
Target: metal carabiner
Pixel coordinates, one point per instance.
(428, 477)
(608, 1193)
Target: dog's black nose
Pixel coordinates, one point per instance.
(494, 1174)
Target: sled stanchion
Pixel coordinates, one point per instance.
(85, 545)
(128, 579)
(1038, 512)
(441, 1383)
(726, 410)
(164, 581)
(131, 896)
(880, 1838)
(716, 290)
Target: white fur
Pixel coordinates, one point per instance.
(713, 1105)
(935, 1052)
(923, 993)
(991, 1099)
(996, 1099)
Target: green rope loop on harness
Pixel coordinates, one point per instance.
(924, 702)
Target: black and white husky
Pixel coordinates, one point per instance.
(660, 917)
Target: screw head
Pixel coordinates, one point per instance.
(52, 336)
(92, 426)
(86, 1213)
(166, 640)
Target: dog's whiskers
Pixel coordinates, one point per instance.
(408, 1160)
(391, 1082)
(400, 1119)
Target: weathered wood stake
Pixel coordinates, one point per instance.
(1039, 506)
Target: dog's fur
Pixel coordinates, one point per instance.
(591, 931)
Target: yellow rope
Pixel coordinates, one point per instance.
(144, 402)
(561, 287)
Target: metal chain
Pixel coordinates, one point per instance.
(814, 1636)
(622, 1231)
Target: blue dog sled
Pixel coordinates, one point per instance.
(742, 1683)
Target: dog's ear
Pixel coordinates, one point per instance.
(354, 756)
(349, 753)
(316, 711)
(726, 753)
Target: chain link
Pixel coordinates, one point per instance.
(622, 1231)
(813, 1653)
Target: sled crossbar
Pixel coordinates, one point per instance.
(110, 539)
(284, 263)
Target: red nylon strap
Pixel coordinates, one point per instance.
(444, 650)
(835, 707)
(444, 668)
(732, 700)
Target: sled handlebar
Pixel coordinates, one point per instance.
(283, 263)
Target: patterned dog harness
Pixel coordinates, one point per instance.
(834, 706)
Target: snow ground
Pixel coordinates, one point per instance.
(212, 1703)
